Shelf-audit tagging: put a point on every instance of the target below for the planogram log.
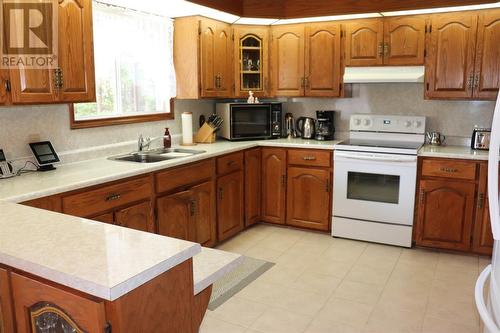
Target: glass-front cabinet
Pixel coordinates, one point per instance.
(252, 67)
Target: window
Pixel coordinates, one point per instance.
(134, 70)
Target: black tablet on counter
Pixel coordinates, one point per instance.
(45, 155)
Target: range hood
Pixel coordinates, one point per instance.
(408, 74)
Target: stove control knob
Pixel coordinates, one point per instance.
(367, 122)
(357, 121)
(417, 124)
(407, 123)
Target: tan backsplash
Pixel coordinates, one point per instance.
(455, 119)
(19, 124)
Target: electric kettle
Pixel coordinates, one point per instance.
(306, 127)
(435, 138)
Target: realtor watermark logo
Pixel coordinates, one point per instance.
(29, 36)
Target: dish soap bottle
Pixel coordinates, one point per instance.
(167, 139)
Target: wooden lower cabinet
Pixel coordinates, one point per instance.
(273, 185)
(105, 218)
(446, 214)
(53, 203)
(253, 180)
(36, 301)
(230, 219)
(482, 239)
(189, 215)
(136, 217)
(308, 198)
(6, 311)
(205, 227)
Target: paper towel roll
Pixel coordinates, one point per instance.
(187, 128)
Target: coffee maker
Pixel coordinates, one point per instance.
(325, 125)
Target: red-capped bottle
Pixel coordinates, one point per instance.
(167, 139)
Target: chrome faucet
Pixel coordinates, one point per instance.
(143, 144)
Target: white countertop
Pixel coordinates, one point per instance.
(73, 176)
(210, 265)
(98, 259)
(458, 152)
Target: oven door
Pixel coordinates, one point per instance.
(251, 121)
(375, 187)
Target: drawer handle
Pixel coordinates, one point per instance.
(449, 170)
(113, 197)
(231, 163)
(480, 201)
(309, 158)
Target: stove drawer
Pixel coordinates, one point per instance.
(306, 157)
(449, 169)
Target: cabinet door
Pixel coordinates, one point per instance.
(6, 310)
(251, 42)
(76, 58)
(308, 198)
(253, 182)
(364, 43)
(482, 239)
(487, 73)
(216, 47)
(105, 218)
(322, 60)
(208, 70)
(32, 86)
(445, 214)
(450, 59)
(224, 59)
(36, 303)
(273, 185)
(136, 217)
(176, 216)
(205, 227)
(230, 205)
(404, 40)
(287, 60)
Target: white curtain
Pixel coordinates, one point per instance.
(133, 60)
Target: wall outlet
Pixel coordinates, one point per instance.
(34, 138)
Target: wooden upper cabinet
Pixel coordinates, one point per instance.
(364, 43)
(136, 217)
(404, 40)
(216, 47)
(75, 61)
(251, 60)
(446, 214)
(287, 60)
(450, 59)
(322, 60)
(308, 198)
(273, 185)
(76, 58)
(230, 204)
(253, 185)
(487, 72)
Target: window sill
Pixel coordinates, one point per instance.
(101, 122)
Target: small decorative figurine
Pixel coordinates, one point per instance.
(251, 99)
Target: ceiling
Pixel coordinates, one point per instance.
(312, 8)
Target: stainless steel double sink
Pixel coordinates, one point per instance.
(157, 155)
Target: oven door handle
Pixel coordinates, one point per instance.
(376, 158)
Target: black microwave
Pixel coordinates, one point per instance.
(244, 121)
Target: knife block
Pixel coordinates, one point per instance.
(206, 134)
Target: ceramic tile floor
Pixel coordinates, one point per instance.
(322, 284)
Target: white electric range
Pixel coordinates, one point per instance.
(375, 178)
